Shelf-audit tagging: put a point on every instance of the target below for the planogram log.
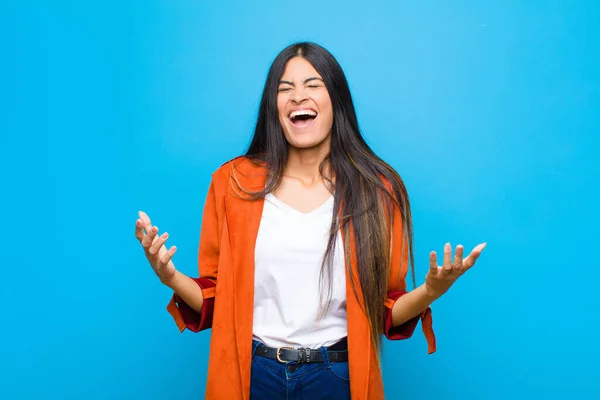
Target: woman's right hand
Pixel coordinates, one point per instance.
(155, 249)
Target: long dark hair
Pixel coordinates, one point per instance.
(356, 181)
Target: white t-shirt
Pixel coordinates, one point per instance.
(289, 251)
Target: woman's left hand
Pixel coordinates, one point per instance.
(440, 278)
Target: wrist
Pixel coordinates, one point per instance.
(431, 293)
(171, 281)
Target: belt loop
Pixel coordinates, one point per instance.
(255, 344)
(326, 362)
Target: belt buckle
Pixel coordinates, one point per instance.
(279, 356)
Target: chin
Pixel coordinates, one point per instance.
(307, 142)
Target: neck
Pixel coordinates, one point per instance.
(304, 164)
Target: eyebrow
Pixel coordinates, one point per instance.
(314, 78)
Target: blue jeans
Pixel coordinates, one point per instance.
(272, 380)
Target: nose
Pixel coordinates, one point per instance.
(299, 95)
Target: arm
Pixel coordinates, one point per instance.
(188, 290)
(192, 303)
(411, 305)
(403, 310)
(437, 282)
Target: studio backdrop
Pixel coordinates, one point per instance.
(488, 110)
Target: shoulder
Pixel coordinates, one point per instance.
(241, 170)
(240, 164)
(224, 170)
(387, 189)
(386, 182)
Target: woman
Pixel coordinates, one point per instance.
(305, 245)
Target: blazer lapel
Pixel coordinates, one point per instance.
(243, 220)
(359, 334)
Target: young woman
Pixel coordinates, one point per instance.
(305, 245)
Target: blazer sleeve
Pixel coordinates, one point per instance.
(208, 260)
(406, 329)
(397, 288)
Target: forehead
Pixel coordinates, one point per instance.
(299, 69)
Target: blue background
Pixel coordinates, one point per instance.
(489, 110)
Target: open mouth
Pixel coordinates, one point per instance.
(302, 118)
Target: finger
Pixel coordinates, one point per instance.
(470, 260)
(146, 223)
(433, 268)
(149, 238)
(139, 231)
(447, 257)
(158, 243)
(458, 256)
(164, 260)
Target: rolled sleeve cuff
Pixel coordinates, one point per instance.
(406, 329)
(187, 317)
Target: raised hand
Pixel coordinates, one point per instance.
(440, 278)
(154, 247)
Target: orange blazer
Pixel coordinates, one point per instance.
(226, 275)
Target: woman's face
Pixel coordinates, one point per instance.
(304, 106)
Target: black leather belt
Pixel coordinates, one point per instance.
(337, 352)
